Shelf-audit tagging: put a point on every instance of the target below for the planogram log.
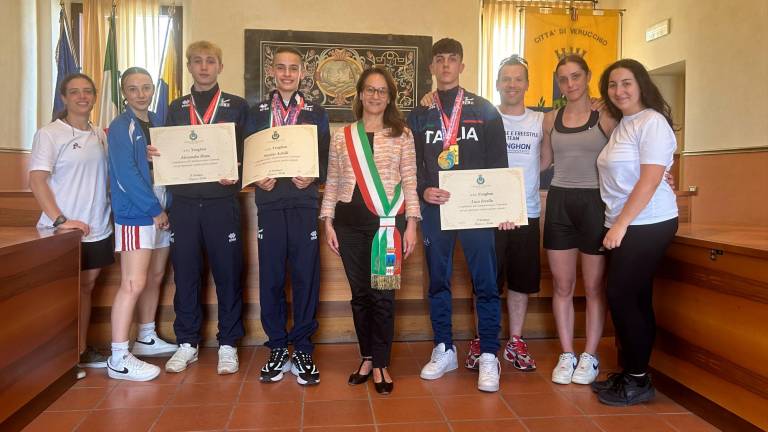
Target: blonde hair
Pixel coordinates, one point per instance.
(204, 46)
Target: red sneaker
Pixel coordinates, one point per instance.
(516, 352)
(473, 356)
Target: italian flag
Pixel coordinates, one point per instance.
(109, 106)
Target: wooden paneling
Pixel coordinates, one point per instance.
(730, 187)
(14, 175)
(39, 297)
(711, 310)
(20, 208)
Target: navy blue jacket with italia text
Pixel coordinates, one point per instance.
(285, 194)
(231, 109)
(480, 138)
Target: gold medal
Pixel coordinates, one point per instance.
(455, 150)
(445, 160)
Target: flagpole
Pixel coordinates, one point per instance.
(68, 33)
(162, 58)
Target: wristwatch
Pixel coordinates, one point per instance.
(59, 220)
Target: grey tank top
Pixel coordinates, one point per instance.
(575, 152)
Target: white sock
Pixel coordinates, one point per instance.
(146, 331)
(119, 351)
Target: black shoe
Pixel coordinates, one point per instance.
(598, 386)
(304, 368)
(277, 364)
(358, 378)
(383, 387)
(628, 390)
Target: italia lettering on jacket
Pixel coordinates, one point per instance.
(465, 133)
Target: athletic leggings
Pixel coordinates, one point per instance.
(631, 268)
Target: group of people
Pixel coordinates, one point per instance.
(607, 199)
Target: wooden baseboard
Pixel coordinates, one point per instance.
(24, 415)
(701, 406)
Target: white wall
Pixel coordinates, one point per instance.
(724, 46)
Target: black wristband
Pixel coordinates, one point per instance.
(59, 220)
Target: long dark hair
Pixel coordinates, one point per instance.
(393, 118)
(63, 91)
(650, 96)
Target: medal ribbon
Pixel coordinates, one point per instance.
(210, 112)
(386, 248)
(280, 116)
(450, 134)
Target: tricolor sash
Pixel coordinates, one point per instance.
(386, 248)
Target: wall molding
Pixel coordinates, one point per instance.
(725, 151)
(15, 150)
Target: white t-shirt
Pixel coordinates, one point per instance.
(524, 134)
(77, 161)
(642, 138)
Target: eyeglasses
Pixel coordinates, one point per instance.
(514, 59)
(381, 91)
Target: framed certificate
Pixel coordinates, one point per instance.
(194, 154)
(283, 151)
(483, 198)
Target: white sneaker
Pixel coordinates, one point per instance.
(442, 361)
(132, 369)
(153, 347)
(490, 371)
(564, 370)
(183, 357)
(228, 363)
(587, 370)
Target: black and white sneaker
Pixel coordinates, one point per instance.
(628, 390)
(304, 368)
(278, 363)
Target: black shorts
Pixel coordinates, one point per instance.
(574, 220)
(517, 258)
(97, 254)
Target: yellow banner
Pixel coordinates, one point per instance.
(551, 36)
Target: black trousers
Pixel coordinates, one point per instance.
(373, 310)
(288, 238)
(211, 226)
(631, 268)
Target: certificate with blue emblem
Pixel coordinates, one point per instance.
(281, 151)
(483, 198)
(194, 154)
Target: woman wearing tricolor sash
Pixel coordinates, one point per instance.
(371, 209)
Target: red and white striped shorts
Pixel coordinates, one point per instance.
(131, 237)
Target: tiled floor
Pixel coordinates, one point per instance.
(200, 400)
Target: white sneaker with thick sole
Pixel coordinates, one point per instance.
(228, 362)
(185, 355)
(490, 372)
(153, 347)
(563, 372)
(132, 369)
(587, 370)
(442, 361)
